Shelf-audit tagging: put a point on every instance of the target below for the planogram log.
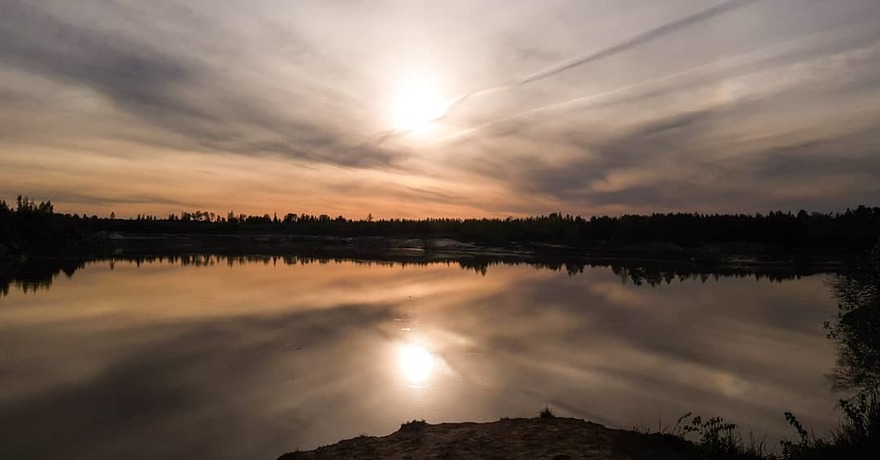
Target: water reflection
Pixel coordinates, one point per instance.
(416, 363)
(36, 274)
(249, 358)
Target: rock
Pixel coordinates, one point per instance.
(409, 243)
(446, 243)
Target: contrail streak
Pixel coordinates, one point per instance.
(626, 45)
(703, 72)
(644, 37)
(739, 64)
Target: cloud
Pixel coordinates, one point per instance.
(733, 135)
(187, 93)
(683, 105)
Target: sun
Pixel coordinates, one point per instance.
(416, 107)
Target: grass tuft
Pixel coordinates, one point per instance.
(546, 413)
(413, 425)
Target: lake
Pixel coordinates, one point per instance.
(251, 357)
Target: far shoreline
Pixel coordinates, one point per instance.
(37, 265)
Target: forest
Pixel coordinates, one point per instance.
(852, 231)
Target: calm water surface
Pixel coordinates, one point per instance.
(253, 359)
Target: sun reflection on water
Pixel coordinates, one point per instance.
(416, 363)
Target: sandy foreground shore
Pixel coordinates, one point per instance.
(538, 438)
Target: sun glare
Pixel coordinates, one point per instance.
(416, 363)
(416, 107)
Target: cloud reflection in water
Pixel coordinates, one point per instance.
(252, 360)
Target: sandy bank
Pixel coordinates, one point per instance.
(535, 438)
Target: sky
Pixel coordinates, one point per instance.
(426, 109)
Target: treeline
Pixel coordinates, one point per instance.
(37, 274)
(854, 230)
(28, 221)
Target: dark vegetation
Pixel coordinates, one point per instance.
(852, 231)
(413, 425)
(855, 439)
(36, 244)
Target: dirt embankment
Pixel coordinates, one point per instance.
(535, 438)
